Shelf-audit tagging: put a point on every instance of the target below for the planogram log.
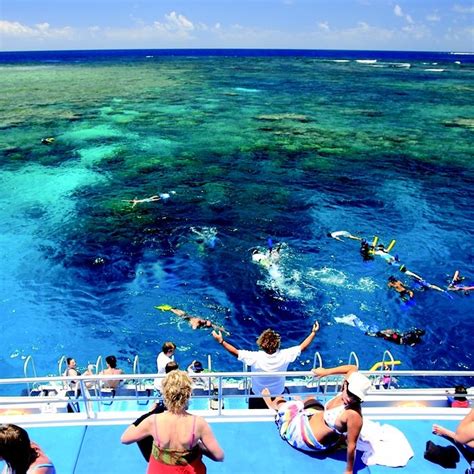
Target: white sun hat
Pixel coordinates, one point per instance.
(358, 384)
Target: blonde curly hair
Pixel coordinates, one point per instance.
(176, 389)
(269, 341)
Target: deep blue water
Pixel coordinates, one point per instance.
(286, 145)
(138, 54)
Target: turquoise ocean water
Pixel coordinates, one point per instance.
(250, 146)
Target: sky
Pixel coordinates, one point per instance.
(414, 25)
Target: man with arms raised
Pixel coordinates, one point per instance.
(268, 359)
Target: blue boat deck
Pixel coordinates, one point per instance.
(250, 447)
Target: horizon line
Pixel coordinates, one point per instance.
(236, 49)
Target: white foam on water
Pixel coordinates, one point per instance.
(246, 89)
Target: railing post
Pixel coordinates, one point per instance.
(219, 396)
(84, 394)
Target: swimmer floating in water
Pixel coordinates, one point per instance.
(456, 285)
(154, 198)
(136, 201)
(194, 321)
(366, 250)
(343, 233)
(408, 338)
(419, 279)
(206, 236)
(404, 292)
(268, 257)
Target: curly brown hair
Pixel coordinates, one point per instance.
(269, 341)
(176, 389)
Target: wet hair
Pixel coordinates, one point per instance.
(112, 361)
(392, 279)
(176, 389)
(269, 341)
(168, 346)
(15, 448)
(328, 234)
(197, 366)
(170, 366)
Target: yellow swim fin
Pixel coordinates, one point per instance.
(164, 307)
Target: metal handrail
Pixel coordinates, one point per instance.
(61, 362)
(88, 398)
(136, 364)
(353, 355)
(305, 373)
(99, 365)
(317, 358)
(389, 355)
(27, 362)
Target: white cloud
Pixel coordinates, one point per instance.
(417, 32)
(460, 34)
(433, 17)
(323, 25)
(39, 31)
(398, 10)
(463, 8)
(179, 22)
(13, 28)
(175, 25)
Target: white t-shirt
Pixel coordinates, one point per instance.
(262, 362)
(161, 362)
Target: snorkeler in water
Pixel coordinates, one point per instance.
(381, 252)
(366, 250)
(342, 233)
(407, 338)
(136, 201)
(419, 279)
(404, 292)
(269, 257)
(456, 284)
(154, 198)
(206, 236)
(194, 321)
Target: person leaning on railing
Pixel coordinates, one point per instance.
(269, 359)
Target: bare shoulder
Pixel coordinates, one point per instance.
(354, 416)
(201, 423)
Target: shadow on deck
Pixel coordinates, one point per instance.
(250, 448)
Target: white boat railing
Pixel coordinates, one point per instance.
(53, 394)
